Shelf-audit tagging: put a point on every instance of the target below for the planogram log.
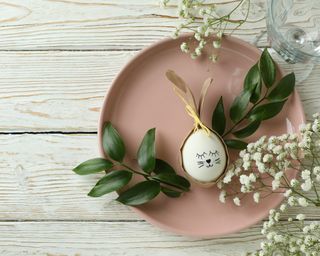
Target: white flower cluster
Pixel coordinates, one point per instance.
(264, 167)
(201, 18)
(262, 160)
(296, 238)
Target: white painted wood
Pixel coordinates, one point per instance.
(63, 91)
(115, 238)
(94, 24)
(36, 181)
(44, 209)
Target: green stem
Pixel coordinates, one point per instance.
(134, 171)
(147, 176)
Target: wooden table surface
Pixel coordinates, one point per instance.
(57, 59)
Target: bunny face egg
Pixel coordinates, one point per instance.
(204, 156)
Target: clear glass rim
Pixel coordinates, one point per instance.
(270, 16)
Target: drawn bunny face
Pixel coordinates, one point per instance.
(203, 156)
(208, 159)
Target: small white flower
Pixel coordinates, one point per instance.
(307, 185)
(306, 229)
(275, 184)
(303, 202)
(236, 201)
(278, 175)
(292, 200)
(216, 44)
(237, 171)
(267, 158)
(228, 177)
(287, 193)
(257, 156)
(300, 216)
(256, 197)
(272, 212)
(283, 207)
(277, 149)
(246, 165)
(316, 170)
(305, 174)
(242, 153)
(198, 51)
(222, 196)
(246, 157)
(184, 47)
(197, 36)
(219, 185)
(261, 167)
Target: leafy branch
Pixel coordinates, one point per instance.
(159, 175)
(262, 98)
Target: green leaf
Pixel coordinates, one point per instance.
(252, 78)
(218, 118)
(236, 144)
(173, 180)
(267, 68)
(140, 193)
(256, 93)
(113, 181)
(266, 111)
(112, 143)
(283, 89)
(93, 166)
(163, 167)
(239, 105)
(147, 152)
(248, 130)
(170, 192)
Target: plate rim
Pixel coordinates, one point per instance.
(141, 213)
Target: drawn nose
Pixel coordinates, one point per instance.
(208, 161)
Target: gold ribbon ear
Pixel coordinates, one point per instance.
(185, 94)
(182, 89)
(203, 94)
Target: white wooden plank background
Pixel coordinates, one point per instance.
(57, 60)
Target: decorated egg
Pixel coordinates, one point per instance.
(204, 156)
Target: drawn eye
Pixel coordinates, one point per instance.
(215, 153)
(201, 156)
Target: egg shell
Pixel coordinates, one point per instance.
(204, 157)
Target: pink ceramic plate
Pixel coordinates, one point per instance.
(141, 98)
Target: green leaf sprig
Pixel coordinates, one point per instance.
(262, 98)
(159, 175)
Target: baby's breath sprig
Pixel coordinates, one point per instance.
(295, 237)
(202, 19)
(266, 167)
